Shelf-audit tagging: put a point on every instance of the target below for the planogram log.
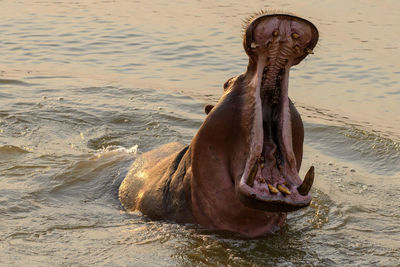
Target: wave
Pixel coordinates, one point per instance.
(9, 151)
(376, 151)
(13, 82)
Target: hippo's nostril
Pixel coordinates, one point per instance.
(295, 36)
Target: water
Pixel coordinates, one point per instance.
(86, 86)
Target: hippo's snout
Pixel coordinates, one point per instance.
(270, 180)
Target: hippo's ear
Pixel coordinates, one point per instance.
(208, 108)
(228, 83)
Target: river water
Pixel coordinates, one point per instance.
(85, 86)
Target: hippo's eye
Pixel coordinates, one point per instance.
(295, 36)
(275, 33)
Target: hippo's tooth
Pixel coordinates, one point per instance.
(280, 167)
(305, 187)
(309, 51)
(253, 45)
(284, 189)
(272, 189)
(252, 174)
(261, 161)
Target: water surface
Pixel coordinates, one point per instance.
(85, 86)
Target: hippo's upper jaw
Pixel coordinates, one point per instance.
(270, 179)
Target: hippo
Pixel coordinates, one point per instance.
(240, 173)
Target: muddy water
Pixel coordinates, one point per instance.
(86, 86)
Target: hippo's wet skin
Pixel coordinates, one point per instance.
(240, 172)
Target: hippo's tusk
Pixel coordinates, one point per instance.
(305, 187)
(252, 175)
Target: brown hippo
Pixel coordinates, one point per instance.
(240, 172)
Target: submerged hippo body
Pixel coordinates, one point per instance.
(240, 172)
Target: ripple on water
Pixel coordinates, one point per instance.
(11, 82)
(376, 151)
(10, 151)
(57, 191)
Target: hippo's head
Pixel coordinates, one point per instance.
(270, 179)
(254, 129)
(247, 154)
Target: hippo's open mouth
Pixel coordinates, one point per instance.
(270, 180)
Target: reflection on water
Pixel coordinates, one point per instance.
(81, 83)
(195, 46)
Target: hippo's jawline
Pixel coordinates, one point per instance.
(270, 179)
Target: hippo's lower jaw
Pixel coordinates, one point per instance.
(270, 179)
